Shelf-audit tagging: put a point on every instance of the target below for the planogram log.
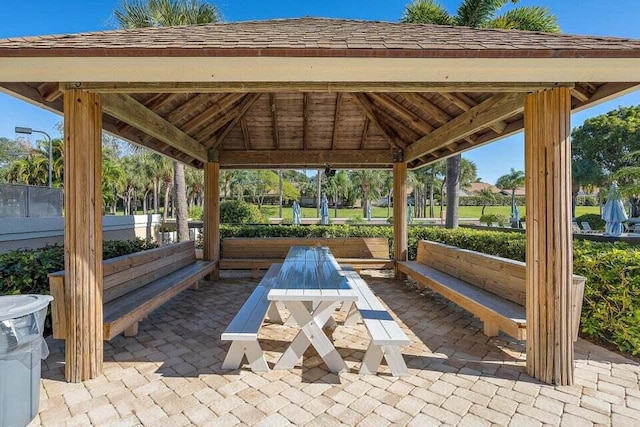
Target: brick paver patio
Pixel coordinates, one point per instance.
(169, 375)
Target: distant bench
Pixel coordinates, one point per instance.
(251, 253)
(490, 287)
(134, 285)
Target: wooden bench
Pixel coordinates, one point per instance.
(386, 335)
(134, 285)
(259, 253)
(490, 287)
(243, 329)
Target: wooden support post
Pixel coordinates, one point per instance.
(211, 228)
(549, 252)
(400, 245)
(83, 234)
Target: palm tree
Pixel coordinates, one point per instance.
(169, 13)
(478, 14)
(629, 180)
(369, 182)
(339, 187)
(511, 181)
(487, 197)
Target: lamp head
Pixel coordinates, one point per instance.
(27, 131)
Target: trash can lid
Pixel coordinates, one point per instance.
(14, 306)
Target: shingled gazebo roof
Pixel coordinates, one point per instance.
(374, 117)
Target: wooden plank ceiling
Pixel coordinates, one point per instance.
(310, 129)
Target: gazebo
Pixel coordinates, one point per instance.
(316, 93)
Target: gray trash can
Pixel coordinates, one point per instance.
(21, 349)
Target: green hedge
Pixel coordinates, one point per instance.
(611, 307)
(595, 221)
(24, 271)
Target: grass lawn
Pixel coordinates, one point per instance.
(376, 212)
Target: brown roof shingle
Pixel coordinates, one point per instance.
(320, 37)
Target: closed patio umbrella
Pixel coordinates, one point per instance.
(613, 212)
(296, 213)
(369, 213)
(516, 216)
(324, 210)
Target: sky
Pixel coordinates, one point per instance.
(37, 17)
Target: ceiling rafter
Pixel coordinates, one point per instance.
(246, 136)
(242, 110)
(483, 115)
(336, 120)
(392, 138)
(274, 120)
(465, 103)
(412, 121)
(305, 120)
(154, 103)
(365, 130)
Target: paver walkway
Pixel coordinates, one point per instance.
(169, 375)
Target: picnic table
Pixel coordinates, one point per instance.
(311, 287)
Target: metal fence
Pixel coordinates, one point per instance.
(29, 201)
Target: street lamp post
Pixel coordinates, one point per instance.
(29, 131)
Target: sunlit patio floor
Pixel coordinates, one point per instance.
(170, 374)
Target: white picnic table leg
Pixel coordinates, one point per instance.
(255, 356)
(234, 356)
(395, 360)
(371, 359)
(352, 316)
(311, 333)
(273, 313)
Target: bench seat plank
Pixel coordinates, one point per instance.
(490, 308)
(385, 333)
(245, 325)
(122, 312)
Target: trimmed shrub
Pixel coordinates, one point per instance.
(595, 221)
(490, 219)
(196, 213)
(24, 271)
(240, 212)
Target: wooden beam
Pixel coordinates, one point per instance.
(549, 262)
(580, 94)
(211, 224)
(83, 235)
(243, 108)
(400, 245)
(409, 119)
(336, 120)
(246, 137)
(315, 158)
(365, 131)
(154, 103)
(606, 92)
(274, 120)
(128, 110)
(325, 87)
(465, 103)
(494, 109)
(50, 91)
(305, 120)
(367, 108)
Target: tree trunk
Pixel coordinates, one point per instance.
(389, 203)
(144, 203)
(482, 211)
(180, 197)
(335, 205)
(432, 208)
(280, 193)
(365, 207)
(453, 190)
(156, 196)
(319, 187)
(165, 213)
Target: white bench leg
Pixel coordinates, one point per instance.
(254, 353)
(273, 314)
(352, 316)
(311, 334)
(373, 357)
(395, 360)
